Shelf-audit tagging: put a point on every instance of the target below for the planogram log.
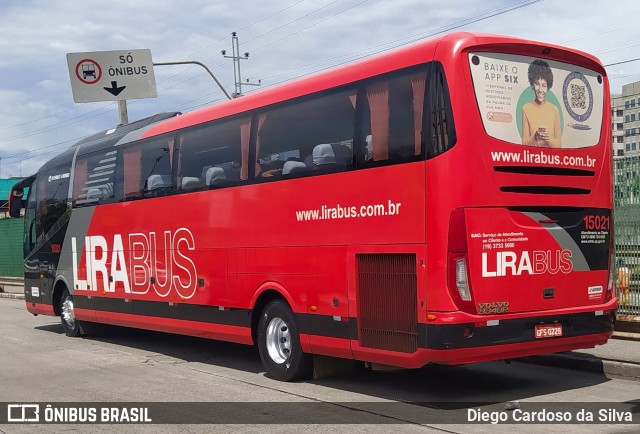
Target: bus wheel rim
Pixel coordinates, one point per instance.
(278, 340)
(68, 315)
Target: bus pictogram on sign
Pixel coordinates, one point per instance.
(88, 71)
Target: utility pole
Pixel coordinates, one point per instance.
(235, 46)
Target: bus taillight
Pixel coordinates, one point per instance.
(459, 284)
(462, 280)
(612, 265)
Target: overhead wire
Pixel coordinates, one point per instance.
(102, 109)
(280, 27)
(379, 48)
(75, 107)
(469, 21)
(387, 46)
(403, 41)
(419, 36)
(222, 39)
(99, 111)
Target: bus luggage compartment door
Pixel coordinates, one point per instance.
(530, 260)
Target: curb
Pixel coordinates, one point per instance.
(628, 324)
(626, 336)
(8, 280)
(11, 295)
(586, 363)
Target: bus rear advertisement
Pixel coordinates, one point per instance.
(448, 202)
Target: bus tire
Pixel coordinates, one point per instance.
(68, 319)
(279, 344)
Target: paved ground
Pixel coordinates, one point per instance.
(618, 358)
(224, 387)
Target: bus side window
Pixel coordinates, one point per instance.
(214, 155)
(53, 189)
(147, 168)
(392, 118)
(439, 120)
(300, 137)
(93, 180)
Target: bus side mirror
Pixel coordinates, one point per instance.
(15, 202)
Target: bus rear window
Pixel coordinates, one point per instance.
(537, 102)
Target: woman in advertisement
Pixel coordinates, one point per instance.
(540, 118)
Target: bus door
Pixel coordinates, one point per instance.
(40, 259)
(32, 281)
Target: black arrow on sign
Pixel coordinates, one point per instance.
(114, 89)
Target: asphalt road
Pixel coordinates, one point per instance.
(38, 363)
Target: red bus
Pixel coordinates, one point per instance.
(449, 202)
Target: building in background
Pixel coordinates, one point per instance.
(617, 124)
(631, 100)
(5, 189)
(625, 120)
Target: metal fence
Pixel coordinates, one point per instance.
(11, 231)
(627, 233)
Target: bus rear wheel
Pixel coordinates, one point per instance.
(279, 344)
(68, 319)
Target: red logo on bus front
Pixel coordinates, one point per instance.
(165, 268)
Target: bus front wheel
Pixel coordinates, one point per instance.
(70, 324)
(279, 344)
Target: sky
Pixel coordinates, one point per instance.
(286, 39)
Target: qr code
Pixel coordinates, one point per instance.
(578, 96)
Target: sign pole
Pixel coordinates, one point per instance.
(193, 62)
(122, 109)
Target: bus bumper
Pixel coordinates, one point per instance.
(462, 338)
(495, 339)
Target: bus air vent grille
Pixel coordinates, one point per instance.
(387, 301)
(543, 189)
(545, 171)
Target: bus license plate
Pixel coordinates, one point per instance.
(548, 331)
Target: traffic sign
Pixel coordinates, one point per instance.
(111, 75)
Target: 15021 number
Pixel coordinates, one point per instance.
(597, 222)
